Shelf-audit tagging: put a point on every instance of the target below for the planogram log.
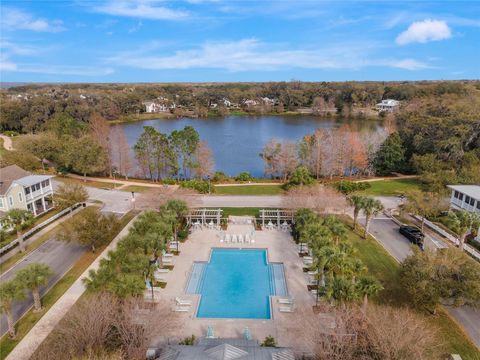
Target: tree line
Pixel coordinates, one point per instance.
(27, 108)
(181, 154)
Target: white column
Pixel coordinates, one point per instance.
(34, 208)
(43, 203)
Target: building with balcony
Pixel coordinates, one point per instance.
(21, 190)
(388, 105)
(466, 197)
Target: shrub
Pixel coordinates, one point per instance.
(202, 186)
(347, 187)
(269, 342)
(244, 176)
(169, 181)
(10, 133)
(301, 176)
(219, 176)
(190, 340)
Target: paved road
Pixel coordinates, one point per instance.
(59, 255)
(386, 232)
(240, 201)
(114, 201)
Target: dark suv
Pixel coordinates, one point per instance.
(413, 234)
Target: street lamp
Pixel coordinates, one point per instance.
(208, 178)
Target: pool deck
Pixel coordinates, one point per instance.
(281, 248)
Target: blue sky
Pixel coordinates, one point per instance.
(223, 40)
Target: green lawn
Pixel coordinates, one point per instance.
(95, 184)
(382, 266)
(240, 211)
(25, 324)
(392, 187)
(249, 190)
(136, 188)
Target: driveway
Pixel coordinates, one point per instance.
(58, 255)
(115, 201)
(386, 232)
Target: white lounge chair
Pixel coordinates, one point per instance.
(183, 302)
(307, 262)
(285, 301)
(247, 238)
(227, 238)
(285, 309)
(240, 239)
(181, 309)
(162, 271)
(234, 238)
(167, 260)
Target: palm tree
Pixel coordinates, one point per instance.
(367, 286)
(9, 292)
(32, 277)
(343, 291)
(371, 207)
(463, 222)
(337, 229)
(174, 213)
(19, 220)
(357, 202)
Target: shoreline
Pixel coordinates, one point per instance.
(168, 116)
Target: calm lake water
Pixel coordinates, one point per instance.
(237, 141)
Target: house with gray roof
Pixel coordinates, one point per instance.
(21, 190)
(220, 349)
(466, 197)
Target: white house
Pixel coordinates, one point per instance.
(388, 105)
(21, 190)
(155, 107)
(250, 102)
(268, 101)
(466, 197)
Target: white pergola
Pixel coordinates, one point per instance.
(277, 215)
(203, 216)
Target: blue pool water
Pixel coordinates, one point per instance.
(236, 283)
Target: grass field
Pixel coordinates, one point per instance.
(249, 190)
(95, 184)
(240, 211)
(382, 266)
(392, 187)
(136, 188)
(25, 324)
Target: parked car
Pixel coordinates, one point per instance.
(413, 234)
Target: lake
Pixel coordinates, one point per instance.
(237, 141)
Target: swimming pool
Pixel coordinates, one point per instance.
(237, 284)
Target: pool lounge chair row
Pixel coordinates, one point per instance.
(240, 238)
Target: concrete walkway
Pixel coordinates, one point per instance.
(29, 344)
(124, 183)
(7, 142)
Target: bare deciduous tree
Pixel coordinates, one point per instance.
(204, 161)
(120, 151)
(102, 326)
(100, 131)
(156, 197)
(319, 198)
(346, 333)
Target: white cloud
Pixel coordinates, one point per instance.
(146, 9)
(61, 70)
(253, 55)
(424, 31)
(16, 19)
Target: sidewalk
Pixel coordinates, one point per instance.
(7, 142)
(124, 183)
(29, 344)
